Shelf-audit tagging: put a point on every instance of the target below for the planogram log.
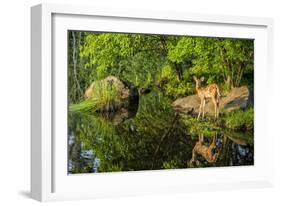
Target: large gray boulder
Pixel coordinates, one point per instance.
(237, 98)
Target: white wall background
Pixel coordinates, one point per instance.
(15, 101)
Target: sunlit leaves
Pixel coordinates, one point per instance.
(142, 58)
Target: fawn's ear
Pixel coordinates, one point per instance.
(194, 77)
(202, 79)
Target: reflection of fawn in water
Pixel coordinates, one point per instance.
(205, 151)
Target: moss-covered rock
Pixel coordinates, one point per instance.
(111, 94)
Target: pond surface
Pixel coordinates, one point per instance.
(149, 136)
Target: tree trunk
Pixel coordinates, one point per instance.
(74, 59)
(228, 82)
(239, 74)
(179, 71)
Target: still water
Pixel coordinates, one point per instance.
(149, 135)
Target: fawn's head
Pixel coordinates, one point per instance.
(198, 81)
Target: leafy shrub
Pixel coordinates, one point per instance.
(169, 82)
(195, 126)
(240, 119)
(170, 164)
(167, 74)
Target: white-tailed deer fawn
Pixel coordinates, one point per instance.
(205, 151)
(211, 91)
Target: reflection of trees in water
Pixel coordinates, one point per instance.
(154, 138)
(81, 161)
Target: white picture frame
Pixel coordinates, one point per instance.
(49, 179)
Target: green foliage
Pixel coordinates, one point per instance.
(170, 164)
(223, 60)
(169, 82)
(195, 126)
(240, 120)
(123, 55)
(167, 74)
(101, 72)
(157, 60)
(182, 49)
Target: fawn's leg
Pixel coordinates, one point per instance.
(203, 108)
(194, 151)
(215, 104)
(199, 109)
(201, 138)
(218, 108)
(193, 156)
(213, 144)
(215, 157)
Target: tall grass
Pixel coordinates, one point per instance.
(105, 98)
(84, 106)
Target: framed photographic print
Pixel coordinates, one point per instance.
(137, 102)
